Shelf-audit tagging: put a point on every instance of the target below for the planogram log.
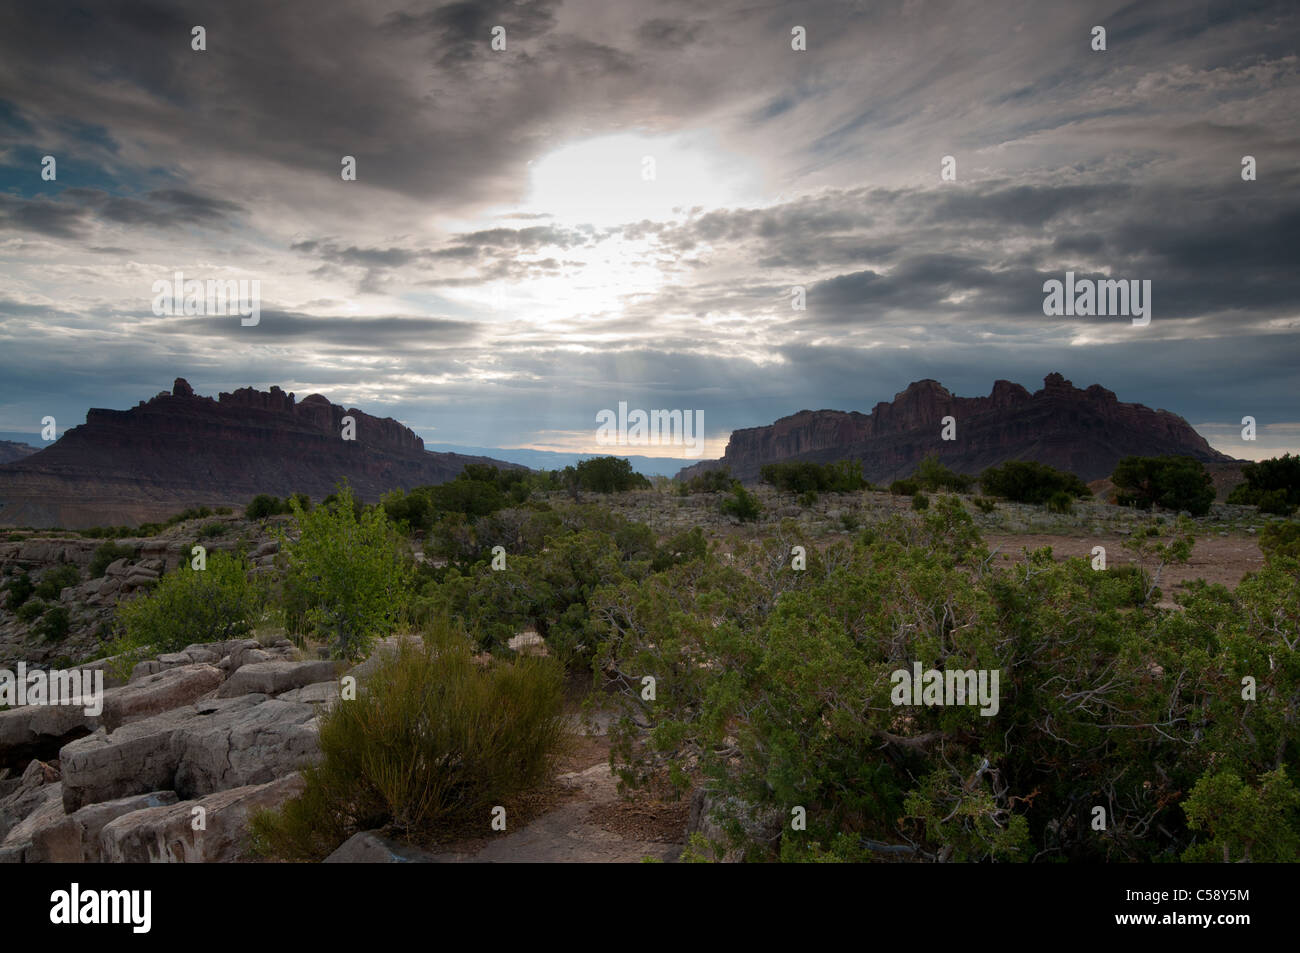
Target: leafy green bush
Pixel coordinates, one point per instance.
(1244, 823)
(54, 625)
(30, 611)
(347, 576)
(56, 579)
(189, 605)
(212, 530)
(20, 589)
(985, 504)
(105, 555)
(807, 498)
(264, 505)
(609, 475)
(1273, 485)
(904, 488)
(1027, 481)
(777, 687)
(1175, 483)
(1280, 540)
(934, 476)
(742, 504)
(432, 742)
(920, 501)
(803, 476)
(1060, 502)
(710, 481)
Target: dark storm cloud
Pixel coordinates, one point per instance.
(351, 332)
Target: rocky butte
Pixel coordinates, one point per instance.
(123, 467)
(1083, 431)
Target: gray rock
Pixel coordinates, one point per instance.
(369, 847)
(74, 839)
(274, 677)
(167, 835)
(211, 746)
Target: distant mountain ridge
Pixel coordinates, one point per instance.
(1083, 431)
(11, 451)
(180, 449)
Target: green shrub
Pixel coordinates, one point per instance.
(348, 575)
(807, 498)
(742, 504)
(264, 505)
(985, 504)
(20, 589)
(189, 605)
(1281, 540)
(1027, 481)
(804, 476)
(1273, 485)
(904, 488)
(609, 475)
(30, 610)
(1175, 483)
(1060, 502)
(105, 555)
(54, 625)
(56, 579)
(710, 481)
(430, 745)
(212, 530)
(934, 476)
(920, 501)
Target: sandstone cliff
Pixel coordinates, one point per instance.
(1084, 431)
(180, 449)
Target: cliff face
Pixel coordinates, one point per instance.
(1083, 431)
(180, 449)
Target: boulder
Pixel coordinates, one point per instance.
(162, 692)
(27, 796)
(167, 834)
(37, 731)
(46, 811)
(274, 677)
(247, 652)
(210, 746)
(320, 695)
(369, 847)
(74, 839)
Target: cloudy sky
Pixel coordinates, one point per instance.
(617, 205)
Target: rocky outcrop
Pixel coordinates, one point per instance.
(181, 449)
(1083, 431)
(171, 835)
(11, 451)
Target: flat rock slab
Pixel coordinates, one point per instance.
(153, 694)
(197, 750)
(167, 835)
(274, 677)
(74, 839)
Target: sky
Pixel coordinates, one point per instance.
(620, 204)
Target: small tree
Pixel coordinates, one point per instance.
(1176, 483)
(350, 573)
(189, 605)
